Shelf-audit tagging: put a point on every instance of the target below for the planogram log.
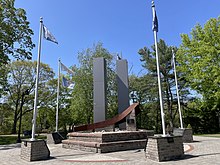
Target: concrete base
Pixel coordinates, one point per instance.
(54, 138)
(34, 150)
(164, 148)
(186, 134)
(130, 123)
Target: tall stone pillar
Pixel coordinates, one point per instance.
(122, 84)
(99, 91)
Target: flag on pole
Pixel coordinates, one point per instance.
(48, 35)
(64, 68)
(155, 30)
(155, 22)
(172, 61)
(66, 82)
(173, 58)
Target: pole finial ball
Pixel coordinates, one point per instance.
(153, 3)
(41, 19)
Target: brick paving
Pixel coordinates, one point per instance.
(203, 151)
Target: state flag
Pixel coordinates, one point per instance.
(48, 35)
(64, 68)
(155, 22)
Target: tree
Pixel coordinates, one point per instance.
(21, 77)
(15, 36)
(82, 96)
(3, 80)
(167, 78)
(199, 62)
(144, 89)
(5, 117)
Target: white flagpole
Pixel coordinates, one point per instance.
(37, 81)
(58, 91)
(158, 74)
(177, 90)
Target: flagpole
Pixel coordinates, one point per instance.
(58, 91)
(37, 81)
(158, 73)
(177, 90)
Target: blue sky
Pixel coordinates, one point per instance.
(121, 25)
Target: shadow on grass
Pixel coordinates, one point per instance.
(7, 139)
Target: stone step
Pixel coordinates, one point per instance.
(122, 145)
(81, 145)
(104, 147)
(87, 137)
(103, 137)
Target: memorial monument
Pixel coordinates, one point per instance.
(103, 137)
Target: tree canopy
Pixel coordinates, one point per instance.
(199, 63)
(15, 36)
(82, 96)
(199, 59)
(167, 78)
(21, 77)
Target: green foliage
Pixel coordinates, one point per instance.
(5, 118)
(199, 60)
(189, 126)
(148, 86)
(15, 37)
(21, 77)
(199, 63)
(145, 92)
(82, 96)
(209, 135)
(15, 34)
(201, 117)
(5, 140)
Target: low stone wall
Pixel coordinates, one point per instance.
(34, 150)
(164, 148)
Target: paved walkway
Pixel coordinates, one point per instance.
(205, 151)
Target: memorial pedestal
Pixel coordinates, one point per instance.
(164, 148)
(186, 134)
(34, 150)
(55, 138)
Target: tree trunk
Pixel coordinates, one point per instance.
(157, 119)
(14, 123)
(14, 130)
(218, 120)
(169, 106)
(14, 127)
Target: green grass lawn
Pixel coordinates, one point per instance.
(210, 135)
(12, 139)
